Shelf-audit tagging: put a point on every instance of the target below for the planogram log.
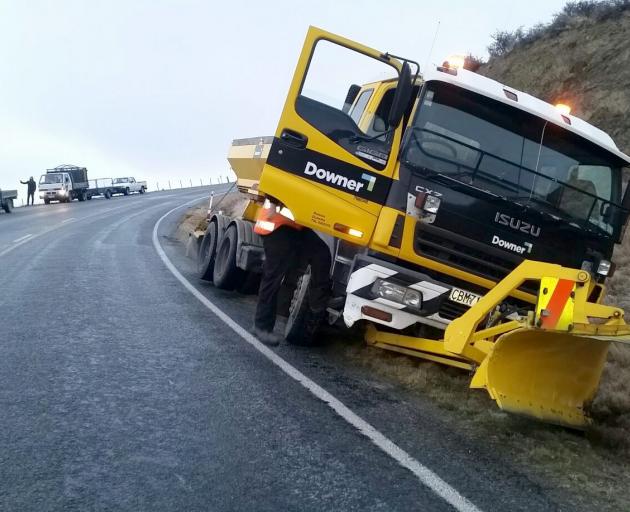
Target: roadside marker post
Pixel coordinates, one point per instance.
(210, 205)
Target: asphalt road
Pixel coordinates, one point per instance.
(120, 390)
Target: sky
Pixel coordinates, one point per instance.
(158, 89)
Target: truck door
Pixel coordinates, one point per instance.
(330, 173)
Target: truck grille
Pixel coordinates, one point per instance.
(450, 310)
(466, 254)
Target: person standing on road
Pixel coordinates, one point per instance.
(286, 243)
(32, 186)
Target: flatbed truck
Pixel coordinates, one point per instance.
(7, 197)
(64, 183)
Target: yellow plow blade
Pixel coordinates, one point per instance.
(548, 375)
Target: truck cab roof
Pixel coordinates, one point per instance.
(518, 99)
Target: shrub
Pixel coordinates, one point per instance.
(504, 42)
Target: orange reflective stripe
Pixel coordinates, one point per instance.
(556, 303)
(270, 219)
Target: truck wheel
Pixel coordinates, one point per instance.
(89, 197)
(108, 194)
(142, 191)
(302, 323)
(126, 192)
(46, 201)
(8, 205)
(82, 196)
(226, 274)
(208, 252)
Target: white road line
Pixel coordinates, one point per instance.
(68, 220)
(423, 473)
(22, 238)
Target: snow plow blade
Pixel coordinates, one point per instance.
(548, 363)
(551, 376)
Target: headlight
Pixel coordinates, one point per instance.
(432, 204)
(397, 293)
(413, 298)
(605, 268)
(427, 202)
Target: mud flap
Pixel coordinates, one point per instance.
(550, 376)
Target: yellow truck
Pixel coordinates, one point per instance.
(469, 223)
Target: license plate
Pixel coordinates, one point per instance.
(463, 297)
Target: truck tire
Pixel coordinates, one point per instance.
(208, 252)
(82, 196)
(302, 323)
(226, 274)
(8, 206)
(108, 194)
(142, 191)
(126, 192)
(46, 200)
(89, 197)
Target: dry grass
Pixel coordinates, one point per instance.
(195, 218)
(611, 408)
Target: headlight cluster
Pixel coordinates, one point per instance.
(428, 205)
(397, 293)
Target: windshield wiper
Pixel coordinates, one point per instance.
(355, 139)
(560, 215)
(534, 199)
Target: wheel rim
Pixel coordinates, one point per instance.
(298, 298)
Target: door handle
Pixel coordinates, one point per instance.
(295, 139)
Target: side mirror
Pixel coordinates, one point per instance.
(401, 97)
(353, 90)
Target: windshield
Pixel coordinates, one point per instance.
(121, 180)
(515, 155)
(51, 178)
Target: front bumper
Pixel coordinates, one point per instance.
(53, 195)
(437, 309)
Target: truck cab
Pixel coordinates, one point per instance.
(55, 187)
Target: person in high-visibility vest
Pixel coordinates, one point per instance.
(287, 243)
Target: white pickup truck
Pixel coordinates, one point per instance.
(128, 185)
